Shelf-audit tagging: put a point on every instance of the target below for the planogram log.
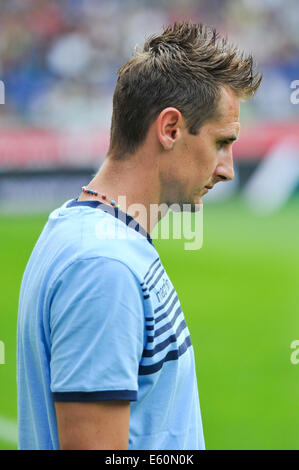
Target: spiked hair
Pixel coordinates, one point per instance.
(184, 67)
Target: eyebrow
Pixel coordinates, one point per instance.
(230, 138)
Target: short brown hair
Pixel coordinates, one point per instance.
(184, 67)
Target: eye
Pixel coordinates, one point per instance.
(222, 143)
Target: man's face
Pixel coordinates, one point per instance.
(202, 160)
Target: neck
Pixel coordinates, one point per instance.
(134, 184)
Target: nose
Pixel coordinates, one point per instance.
(225, 168)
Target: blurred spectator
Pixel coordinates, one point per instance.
(58, 59)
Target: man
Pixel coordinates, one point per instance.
(105, 361)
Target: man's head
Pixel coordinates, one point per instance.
(185, 84)
(193, 162)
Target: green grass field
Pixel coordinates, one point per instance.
(240, 296)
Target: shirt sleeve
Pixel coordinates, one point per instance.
(97, 332)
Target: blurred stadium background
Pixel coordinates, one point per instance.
(240, 292)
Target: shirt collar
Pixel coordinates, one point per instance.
(119, 214)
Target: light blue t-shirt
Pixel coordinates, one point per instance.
(99, 319)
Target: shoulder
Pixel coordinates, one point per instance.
(82, 236)
(96, 270)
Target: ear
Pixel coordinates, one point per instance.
(168, 127)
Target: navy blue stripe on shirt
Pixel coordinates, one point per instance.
(171, 339)
(150, 327)
(166, 326)
(157, 279)
(154, 272)
(166, 301)
(168, 311)
(170, 356)
(150, 268)
(130, 395)
(149, 319)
